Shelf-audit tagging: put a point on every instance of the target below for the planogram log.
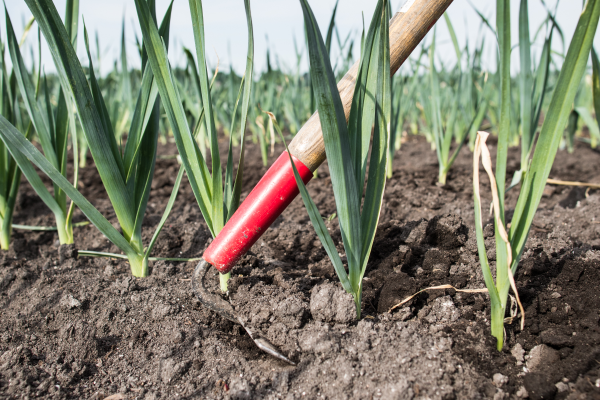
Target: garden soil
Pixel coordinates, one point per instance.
(74, 327)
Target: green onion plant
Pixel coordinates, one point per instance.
(347, 145)
(218, 200)
(10, 173)
(442, 108)
(510, 243)
(403, 97)
(126, 171)
(52, 126)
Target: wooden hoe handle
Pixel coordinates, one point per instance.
(277, 188)
(407, 29)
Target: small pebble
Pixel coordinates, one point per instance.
(562, 387)
(70, 302)
(499, 380)
(518, 352)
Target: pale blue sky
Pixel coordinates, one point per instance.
(280, 20)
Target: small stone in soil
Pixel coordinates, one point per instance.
(518, 352)
(499, 380)
(330, 303)
(561, 387)
(540, 356)
(70, 302)
(522, 393)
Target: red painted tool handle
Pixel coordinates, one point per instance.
(277, 188)
(264, 204)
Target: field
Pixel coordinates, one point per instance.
(72, 328)
(420, 262)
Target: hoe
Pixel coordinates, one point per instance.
(277, 188)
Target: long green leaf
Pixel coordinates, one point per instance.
(72, 19)
(362, 110)
(454, 41)
(503, 29)
(337, 146)
(125, 85)
(379, 74)
(65, 119)
(330, 29)
(541, 83)
(504, 130)
(192, 159)
(248, 80)
(146, 151)
(147, 99)
(595, 88)
(525, 83)
(218, 217)
(27, 88)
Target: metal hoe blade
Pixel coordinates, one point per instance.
(217, 304)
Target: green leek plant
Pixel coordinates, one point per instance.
(52, 128)
(511, 244)
(218, 200)
(10, 173)
(125, 172)
(347, 145)
(403, 94)
(436, 114)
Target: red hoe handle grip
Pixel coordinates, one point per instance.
(277, 188)
(273, 193)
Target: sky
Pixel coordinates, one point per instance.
(276, 24)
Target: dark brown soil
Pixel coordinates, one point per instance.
(84, 328)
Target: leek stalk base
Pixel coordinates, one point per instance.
(5, 234)
(223, 279)
(65, 231)
(357, 302)
(139, 266)
(497, 324)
